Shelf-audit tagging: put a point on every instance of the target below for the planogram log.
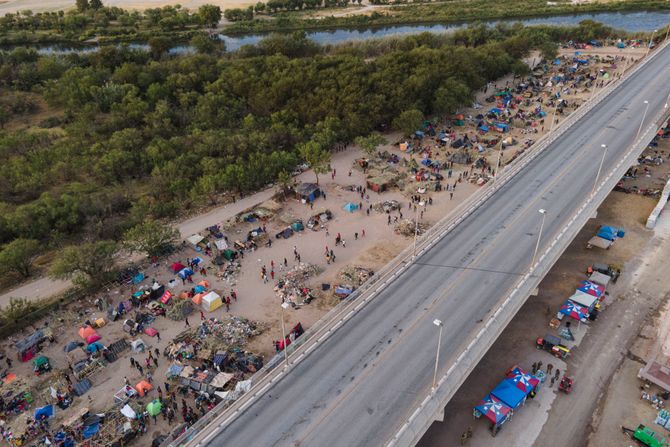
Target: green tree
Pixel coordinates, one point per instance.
(210, 15)
(408, 121)
(151, 237)
(17, 308)
(18, 255)
(370, 143)
(317, 157)
(159, 46)
(548, 50)
(87, 264)
(95, 4)
(284, 182)
(451, 96)
(204, 44)
(82, 5)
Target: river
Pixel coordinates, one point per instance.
(628, 21)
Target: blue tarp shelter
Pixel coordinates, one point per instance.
(509, 394)
(350, 207)
(557, 61)
(621, 45)
(185, 273)
(426, 161)
(419, 134)
(501, 127)
(610, 233)
(95, 347)
(91, 430)
(44, 412)
(484, 128)
(495, 111)
(138, 278)
(199, 289)
(574, 310)
(345, 291)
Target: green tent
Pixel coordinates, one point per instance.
(40, 361)
(154, 407)
(228, 254)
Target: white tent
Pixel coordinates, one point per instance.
(221, 244)
(195, 239)
(211, 301)
(138, 345)
(600, 278)
(583, 299)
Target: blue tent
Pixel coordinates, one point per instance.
(419, 134)
(90, 430)
(185, 273)
(610, 233)
(199, 289)
(44, 412)
(495, 110)
(426, 161)
(621, 45)
(508, 392)
(557, 62)
(484, 128)
(196, 261)
(95, 347)
(502, 127)
(350, 207)
(138, 278)
(442, 136)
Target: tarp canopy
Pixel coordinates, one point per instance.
(591, 288)
(600, 278)
(95, 347)
(72, 346)
(86, 332)
(574, 310)
(221, 244)
(185, 273)
(584, 299)
(493, 409)
(93, 338)
(44, 412)
(199, 289)
(610, 233)
(350, 207)
(195, 239)
(90, 430)
(128, 411)
(177, 266)
(211, 301)
(522, 379)
(508, 392)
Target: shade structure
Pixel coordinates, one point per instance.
(591, 288)
(154, 407)
(176, 267)
(574, 310)
(185, 273)
(493, 409)
(584, 299)
(211, 301)
(44, 412)
(509, 394)
(523, 380)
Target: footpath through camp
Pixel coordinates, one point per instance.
(152, 354)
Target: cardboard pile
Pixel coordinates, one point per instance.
(407, 227)
(291, 287)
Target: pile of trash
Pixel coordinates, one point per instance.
(407, 227)
(291, 287)
(233, 332)
(386, 206)
(179, 309)
(355, 275)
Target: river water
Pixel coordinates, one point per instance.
(628, 21)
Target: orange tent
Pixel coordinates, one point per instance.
(183, 295)
(86, 332)
(143, 387)
(204, 283)
(197, 299)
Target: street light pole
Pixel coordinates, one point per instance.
(667, 32)
(539, 236)
(495, 174)
(553, 118)
(642, 121)
(668, 98)
(284, 306)
(602, 160)
(439, 324)
(650, 41)
(416, 230)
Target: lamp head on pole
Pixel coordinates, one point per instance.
(542, 211)
(604, 146)
(437, 322)
(646, 102)
(285, 305)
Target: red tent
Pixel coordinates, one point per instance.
(166, 297)
(177, 266)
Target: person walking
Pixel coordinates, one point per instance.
(363, 232)
(186, 322)
(202, 316)
(158, 336)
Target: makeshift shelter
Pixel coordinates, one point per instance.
(610, 233)
(86, 332)
(584, 299)
(138, 345)
(195, 239)
(200, 289)
(574, 310)
(44, 412)
(308, 191)
(600, 278)
(95, 347)
(221, 244)
(72, 346)
(176, 267)
(154, 407)
(591, 288)
(350, 207)
(167, 296)
(493, 409)
(125, 393)
(509, 394)
(459, 120)
(185, 273)
(211, 301)
(197, 299)
(501, 127)
(523, 380)
(143, 387)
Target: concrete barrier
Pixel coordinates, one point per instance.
(658, 209)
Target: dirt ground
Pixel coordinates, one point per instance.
(632, 304)
(257, 300)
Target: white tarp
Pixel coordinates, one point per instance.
(128, 412)
(597, 241)
(221, 244)
(138, 345)
(211, 301)
(243, 386)
(195, 239)
(600, 278)
(583, 299)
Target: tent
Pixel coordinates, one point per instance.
(419, 134)
(44, 412)
(584, 299)
(600, 278)
(72, 346)
(211, 301)
(86, 332)
(501, 127)
(308, 191)
(197, 299)
(350, 207)
(221, 244)
(91, 430)
(29, 346)
(522, 380)
(199, 289)
(610, 233)
(495, 111)
(185, 273)
(154, 407)
(493, 409)
(177, 266)
(138, 345)
(166, 297)
(509, 394)
(591, 288)
(95, 347)
(574, 310)
(204, 283)
(426, 161)
(143, 387)
(92, 338)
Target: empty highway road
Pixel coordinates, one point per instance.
(359, 386)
